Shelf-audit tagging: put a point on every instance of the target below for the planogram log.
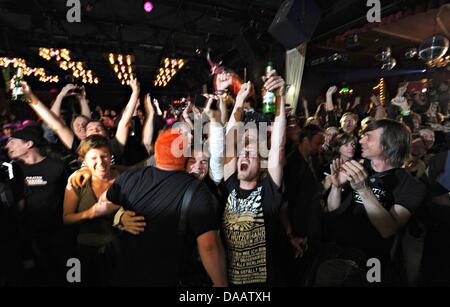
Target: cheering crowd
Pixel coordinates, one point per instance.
(221, 194)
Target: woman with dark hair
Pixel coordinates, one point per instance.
(344, 149)
(95, 236)
(345, 146)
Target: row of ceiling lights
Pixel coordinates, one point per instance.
(63, 58)
(167, 71)
(123, 67)
(28, 71)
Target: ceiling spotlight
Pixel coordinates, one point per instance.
(384, 54)
(148, 6)
(335, 57)
(433, 48)
(389, 64)
(410, 53)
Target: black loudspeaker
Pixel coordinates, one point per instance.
(295, 22)
(248, 46)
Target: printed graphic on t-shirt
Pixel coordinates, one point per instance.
(35, 181)
(379, 194)
(244, 230)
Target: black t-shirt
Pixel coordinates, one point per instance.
(303, 196)
(46, 182)
(151, 258)
(117, 150)
(437, 180)
(438, 173)
(350, 226)
(251, 228)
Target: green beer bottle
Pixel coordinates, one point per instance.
(269, 98)
(17, 92)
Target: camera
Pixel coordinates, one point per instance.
(79, 86)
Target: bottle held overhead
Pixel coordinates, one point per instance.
(17, 92)
(269, 97)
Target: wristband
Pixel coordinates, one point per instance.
(405, 112)
(117, 218)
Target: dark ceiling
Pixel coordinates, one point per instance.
(178, 28)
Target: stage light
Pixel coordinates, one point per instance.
(389, 64)
(148, 6)
(433, 48)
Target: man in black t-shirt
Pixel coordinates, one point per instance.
(152, 258)
(303, 190)
(369, 203)
(44, 179)
(251, 221)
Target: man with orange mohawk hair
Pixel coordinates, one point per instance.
(154, 257)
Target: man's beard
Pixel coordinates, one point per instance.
(247, 176)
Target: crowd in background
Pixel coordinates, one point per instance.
(346, 182)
